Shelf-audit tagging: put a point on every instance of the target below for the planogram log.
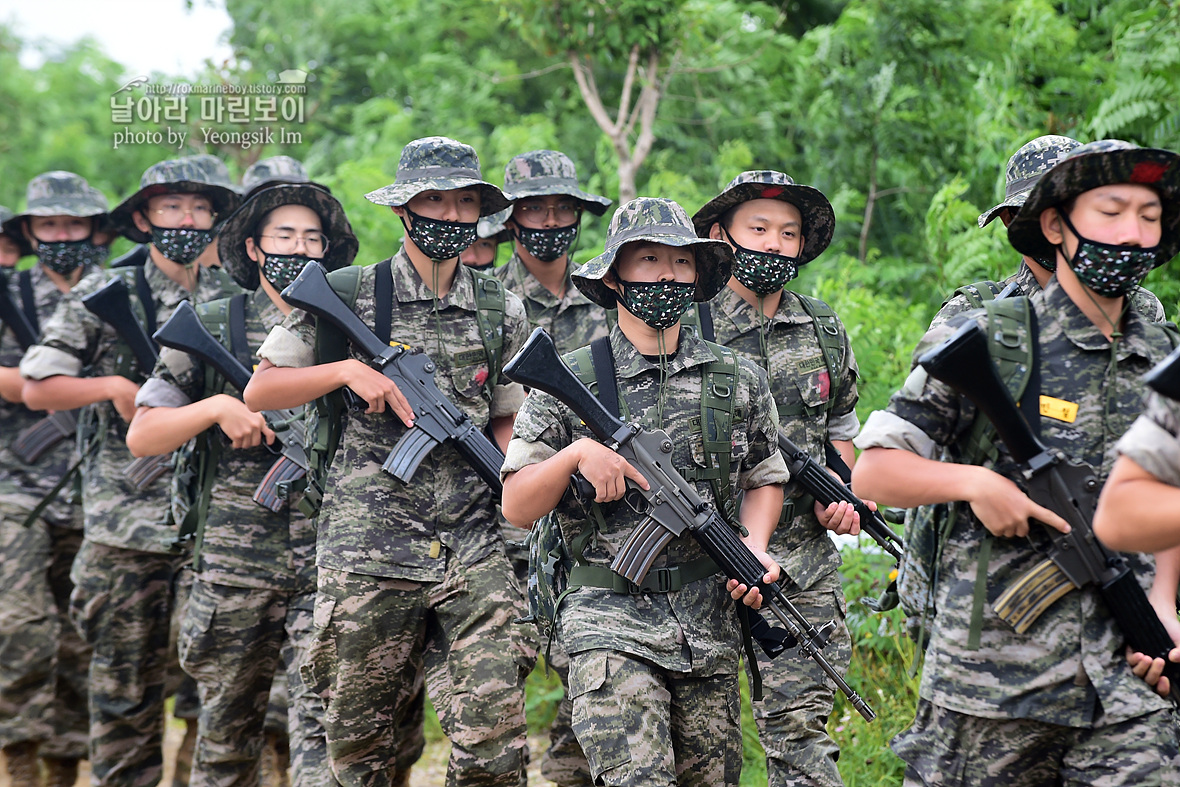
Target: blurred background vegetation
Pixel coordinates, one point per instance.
(903, 112)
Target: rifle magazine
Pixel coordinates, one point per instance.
(1031, 594)
(640, 550)
(271, 493)
(409, 452)
(146, 470)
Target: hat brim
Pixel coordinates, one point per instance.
(593, 203)
(491, 199)
(714, 262)
(1080, 174)
(224, 200)
(1013, 203)
(819, 220)
(231, 241)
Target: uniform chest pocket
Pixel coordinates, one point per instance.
(469, 372)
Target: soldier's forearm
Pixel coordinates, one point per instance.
(11, 384)
(1137, 512)
(761, 508)
(161, 430)
(283, 387)
(62, 392)
(895, 477)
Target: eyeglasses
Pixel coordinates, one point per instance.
(175, 214)
(565, 213)
(316, 243)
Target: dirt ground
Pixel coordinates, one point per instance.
(429, 772)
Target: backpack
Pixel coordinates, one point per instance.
(325, 422)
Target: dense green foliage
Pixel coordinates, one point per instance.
(904, 113)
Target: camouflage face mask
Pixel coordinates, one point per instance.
(440, 240)
(281, 269)
(547, 244)
(66, 256)
(658, 303)
(181, 245)
(1107, 269)
(762, 271)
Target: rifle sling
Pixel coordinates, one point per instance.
(604, 362)
(383, 296)
(28, 302)
(144, 291)
(238, 344)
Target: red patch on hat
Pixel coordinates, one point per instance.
(770, 192)
(1148, 172)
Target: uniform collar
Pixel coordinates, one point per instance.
(518, 279)
(744, 316)
(691, 352)
(1084, 334)
(408, 285)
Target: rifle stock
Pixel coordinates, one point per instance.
(12, 316)
(1063, 485)
(1164, 379)
(671, 505)
(111, 304)
(184, 331)
(436, 418)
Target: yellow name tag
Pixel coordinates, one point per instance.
(435, 549)
(1059, 409)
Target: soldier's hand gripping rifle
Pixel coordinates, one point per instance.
(184, 331)
(111, 304)
(826, 489)
(32, 442)
(671, 505)
(436, 418)
(1063, 485)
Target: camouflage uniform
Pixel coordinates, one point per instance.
(43, 662)
(813, 409)
(1153, 441)
(653, 675)
(572, 321)
(128, 582)
(255, 568)
(423, 559)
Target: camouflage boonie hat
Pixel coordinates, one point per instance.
(656, 221)
(493, 226)
(819, 220)
(218, 171)
(1024, 170)
(58, 193)
(192, 175)
(540, 173)
(1102, 163)
(439, 164)
(271, 172)
(231, 241)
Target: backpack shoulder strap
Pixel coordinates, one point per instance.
(489, 314)
(238, 344)
(828, 330)
(144, 290)
(24, 281)
(699, 319)
(977, 293)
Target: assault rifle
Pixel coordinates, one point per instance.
(32, 442)
(184, 331)
(820, 484)
(1063, 485)
(111, 304)
(672, 505)
(436, 418)
(1164, 379)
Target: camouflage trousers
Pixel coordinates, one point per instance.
(564, 762)
(948, 748)
(798, 698)
(43, 661)
(641, 725)
(125, 605)
(374, 636)
(234, 641)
